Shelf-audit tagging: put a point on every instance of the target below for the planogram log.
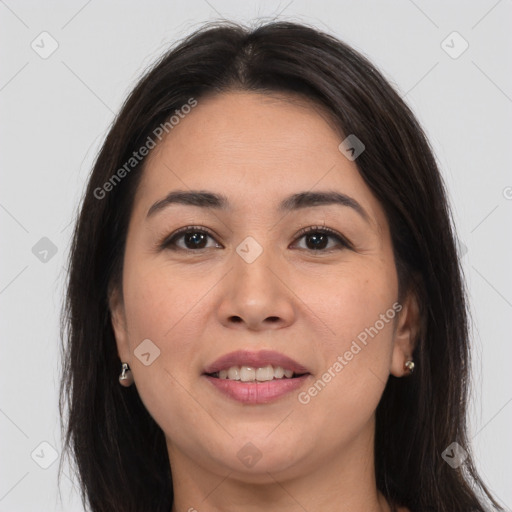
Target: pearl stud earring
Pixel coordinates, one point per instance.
(126, 377)
(409, 365)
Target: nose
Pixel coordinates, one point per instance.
(255, 295)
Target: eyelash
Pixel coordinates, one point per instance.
(169, 242)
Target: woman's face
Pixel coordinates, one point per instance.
(244, 278)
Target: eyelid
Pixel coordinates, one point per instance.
(169, 241)
(324, 229)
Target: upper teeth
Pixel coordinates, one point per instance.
(249, 373)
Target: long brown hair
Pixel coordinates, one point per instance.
(120, 451)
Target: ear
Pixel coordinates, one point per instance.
(118, 319)
(406, 331)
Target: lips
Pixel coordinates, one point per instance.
(255, 360)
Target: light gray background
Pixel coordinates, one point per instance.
(56, 111)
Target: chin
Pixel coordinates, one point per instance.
(252, 461)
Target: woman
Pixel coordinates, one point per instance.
(265, 258)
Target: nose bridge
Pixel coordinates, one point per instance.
(254, 281)
(255, 295)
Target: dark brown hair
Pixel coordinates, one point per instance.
(119, 450)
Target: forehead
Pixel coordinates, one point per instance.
(255, 149)
(245, 128)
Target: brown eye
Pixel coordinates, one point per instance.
(317, 239)
(194, 239)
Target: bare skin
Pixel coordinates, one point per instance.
(310, 304)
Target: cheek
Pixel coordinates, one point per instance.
(360, 311)
(160, 303)
(352, 302)
(163, 310)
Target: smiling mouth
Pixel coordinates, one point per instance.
(255, 374)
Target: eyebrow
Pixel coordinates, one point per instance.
(206, 199)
